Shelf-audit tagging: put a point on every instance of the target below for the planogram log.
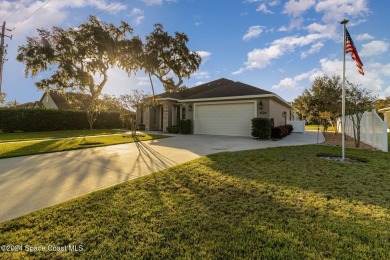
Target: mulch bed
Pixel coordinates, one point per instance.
(335, 139)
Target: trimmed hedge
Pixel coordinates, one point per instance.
(281, 131)
(173, 129)
(185, 126)
(261, 128)
(35, 120)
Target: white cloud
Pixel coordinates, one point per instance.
(253, 32)
(335, 10)
(283, 29)
(152, 2)
(374, 48)
(138, 15)
(55, 13)
(201, 75)
(293, 83)
(263, 8)
(205, 55)
(313, 49)
(364, 36)
(295, 8)
(136, 12)
(375, 78)
(261, 58)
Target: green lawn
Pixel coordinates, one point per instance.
(12, 149)
(315, 127)
(22, 136)
(277, 203)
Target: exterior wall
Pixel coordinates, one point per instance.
(48, 102)
(276, 112)
(168, 113)
(147, 112)
(263, 108)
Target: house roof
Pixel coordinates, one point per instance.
(216, 89)
(64, 101)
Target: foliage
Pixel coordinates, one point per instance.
(276, 203)
(37, 119)
(261, 128)
(134, 102)
(322, 102)
(185, 126)
(358, 100)
(173, 129)
(2, 97)
(13, 149)
(164, 56)
(78, 56)
(279, 132)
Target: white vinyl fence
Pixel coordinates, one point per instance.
(373, 130)
(299, 126)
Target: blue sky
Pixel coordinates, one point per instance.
(280, 46)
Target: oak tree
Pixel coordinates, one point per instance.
(168, 58)
(80, 58)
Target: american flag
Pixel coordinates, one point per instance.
(350, 47)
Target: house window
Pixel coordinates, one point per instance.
(183, 113)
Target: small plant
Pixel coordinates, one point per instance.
(173, 129)
(281, 131)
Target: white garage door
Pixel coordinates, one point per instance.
(224, 119)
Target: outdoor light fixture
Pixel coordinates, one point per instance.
(190, 108)
(260, 105)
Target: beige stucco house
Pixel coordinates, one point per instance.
(220, 107)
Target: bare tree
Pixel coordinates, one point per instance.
(134, 102)
(358, 100)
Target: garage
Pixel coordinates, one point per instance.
(224, 118)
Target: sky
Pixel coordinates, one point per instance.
(279, 46)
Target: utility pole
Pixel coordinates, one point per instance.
(3, 51)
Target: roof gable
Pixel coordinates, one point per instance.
(217, 88)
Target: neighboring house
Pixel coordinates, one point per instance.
(53, 100)
(68, 100)
(220, 107)
(386, 115)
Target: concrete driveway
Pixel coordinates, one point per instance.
(34, 182)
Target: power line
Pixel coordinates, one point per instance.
(10, 10)
(15, 10)
(48, 1)
(111, 6)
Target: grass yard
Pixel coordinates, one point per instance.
(277, 203)
(315, 128)
(23, 136)
(13, 149)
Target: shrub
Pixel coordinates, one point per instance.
(261, 128)
(141, 127)
(173, 129)
(281, 131)
(34, 120)
(185, 126)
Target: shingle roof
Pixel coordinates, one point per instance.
(62, 101)
(217, 88)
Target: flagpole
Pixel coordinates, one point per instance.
(344, 22)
